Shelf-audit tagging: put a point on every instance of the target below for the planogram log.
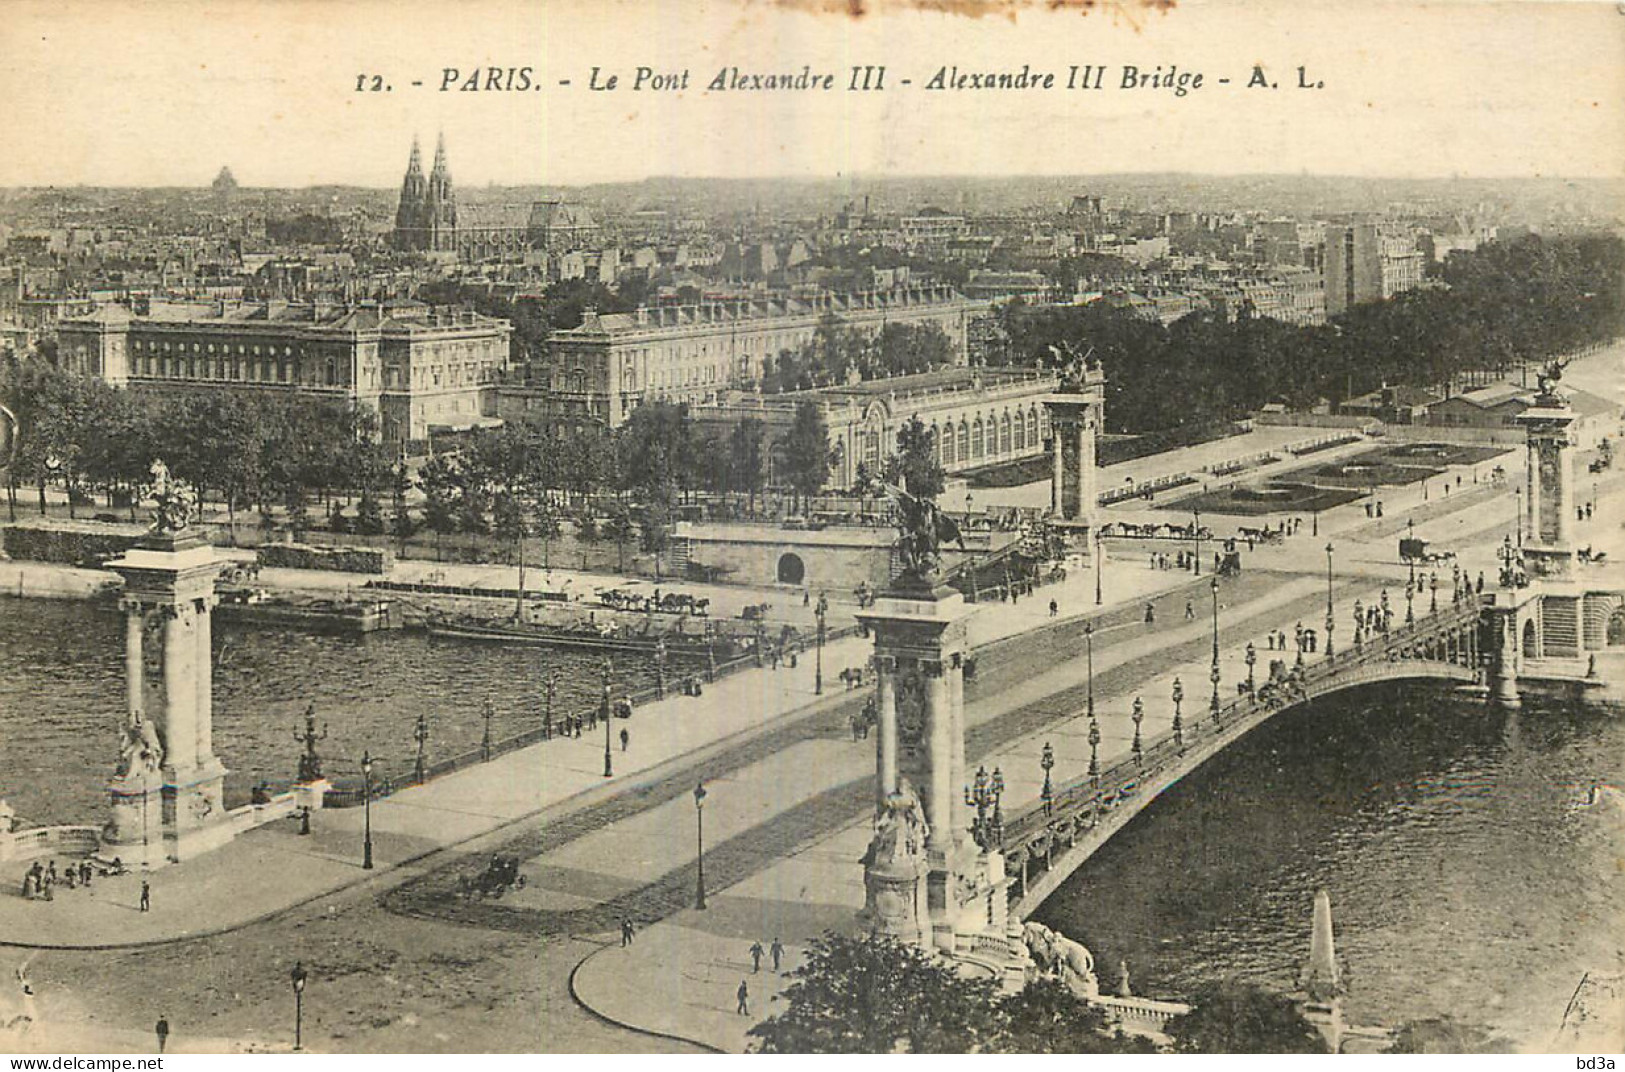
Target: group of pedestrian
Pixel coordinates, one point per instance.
(41, 880)
(776, 951)
(1181, 560)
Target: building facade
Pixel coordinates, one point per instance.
(599, 372)
(420, 368)
(1351, 267)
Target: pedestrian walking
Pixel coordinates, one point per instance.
(1190, 611)
(1054, 608)
(756, 952)
(1150, 613)
(626, 738)
(146, 896)
(626, 933)
(777, 949)
(162, 1030)
(744, 998)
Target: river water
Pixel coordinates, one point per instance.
(62, 700)
(1466, 881)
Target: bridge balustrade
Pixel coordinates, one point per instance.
(1076, 806)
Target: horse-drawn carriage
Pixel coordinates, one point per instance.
(500, 876)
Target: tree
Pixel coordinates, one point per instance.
(806, 451)
(745, 469)
(1444, 1035)
(1045, 1017)
(438, 480)
(878, 995)
(1241, 1018)
(621, 529)
(915, 467)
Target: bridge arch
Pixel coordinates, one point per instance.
(791, 569)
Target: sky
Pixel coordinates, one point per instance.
(165, 92)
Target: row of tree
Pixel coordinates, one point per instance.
(1488, 310)
(877, 995)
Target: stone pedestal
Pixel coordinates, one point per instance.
(1548, 550)
(166, 799)
(1502, 624)
(1074, 422)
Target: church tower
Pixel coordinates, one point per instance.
(441, 208)
(411, 220)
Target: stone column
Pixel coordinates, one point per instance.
(1531, 495)
(940, 793)
(180, 690)
(886, 746)
(134, 690)
(1058, 477)
(955, 670)
(1086, 473)
(205, 679)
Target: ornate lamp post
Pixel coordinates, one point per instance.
(821, 610)
(1046, 759)
(983, 794)
(1330, 621)
(1100, 547)
(699, 842)
(551, 684)
(1213, 671)
(1094, 753)
(486, 714)
(1386, 612)
(1196, 531)
(1410, 596)
(1138, 716)
(608, 710)
(1518, 491)
(298, 977)
(1433, 592)
(1089, 648)
(1251, 659)
(1179, 723)
(1359, 623)
(420, 734)
(366, 810)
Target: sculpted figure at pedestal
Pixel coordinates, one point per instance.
(900, 831)
(173, 501)
(141, 753)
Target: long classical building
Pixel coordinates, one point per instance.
(599, 372)
(978, 417)
(419, 367)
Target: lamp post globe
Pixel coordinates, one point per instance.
(1138, 716)
(1046, 760)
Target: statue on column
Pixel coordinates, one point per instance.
(1549, 376)
(141, 752)
(921, 529)
(1073, 365)
(173, 501)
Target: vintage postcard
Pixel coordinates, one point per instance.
(818, 526)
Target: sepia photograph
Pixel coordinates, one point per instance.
(974, 527)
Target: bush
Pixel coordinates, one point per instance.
(341, 559)
(71, 547)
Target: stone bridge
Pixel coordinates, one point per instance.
(1044, 844)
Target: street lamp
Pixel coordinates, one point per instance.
(1089, 648)
(609, 710)
(1330, 622)
(1046, 759)
(1213, 672)
(1251, 658)
(1433, 592)
(1138, 716)
(1100, 548)
(1410, 595)
(1196, 530)
(699, 841)
(366, 809)
(983, 794)
(1094, 752)
(486, 714)
(822, 609)
(551, 684)
(420, 734)
(298, 976)
(1359, 623)
(1518, 491)
(1179, 723)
